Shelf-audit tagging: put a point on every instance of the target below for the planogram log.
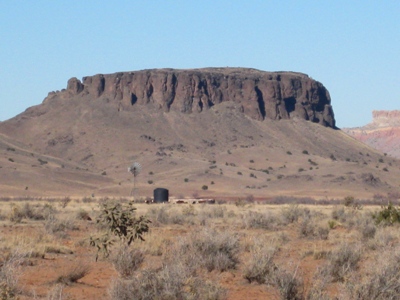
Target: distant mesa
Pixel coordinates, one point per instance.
(258, 94)
(383, 133)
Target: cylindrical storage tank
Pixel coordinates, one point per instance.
(160, 195)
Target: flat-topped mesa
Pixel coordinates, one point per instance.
(384, 118)
(260, 95)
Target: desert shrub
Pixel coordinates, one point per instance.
(348, 201)
(388, 215)
(73, 274)
(209, 249)
(204, 187)
(309, 228)
(188, 210)
(267, 220)
(366, 227)
(382, 282)
(260, 265)
(342, 215)
(10, 273)
(165, 215)
(218, 211)
(27, 211)
(351, 202)
(212, 212)
(383, 239)
(312, 162)
(126, 261)
(291, 213)
(54, 225)
(332, 224)
(169, 282)
(343, 260)
(15, 214)
(65, 201)
(82, 214)
(87, 199)
(290, 287)
(18, 213)
(317, 288)
(56, 293)
(120, 223)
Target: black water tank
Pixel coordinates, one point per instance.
(160, 195)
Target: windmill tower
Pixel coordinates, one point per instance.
(135, 170)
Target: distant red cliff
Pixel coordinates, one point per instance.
(383, 133)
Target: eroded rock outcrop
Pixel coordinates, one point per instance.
(383, 133)
(260, 95)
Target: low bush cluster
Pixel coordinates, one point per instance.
(388, 215)
(266, 220)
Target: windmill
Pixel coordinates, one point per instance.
(135, 170)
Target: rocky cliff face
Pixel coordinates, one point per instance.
(260, 95)
(383, 133)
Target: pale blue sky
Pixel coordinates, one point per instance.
(352, 47)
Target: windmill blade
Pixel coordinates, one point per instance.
(135, 168)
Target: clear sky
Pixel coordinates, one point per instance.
(352, 47)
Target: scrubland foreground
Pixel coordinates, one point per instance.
(240, 250)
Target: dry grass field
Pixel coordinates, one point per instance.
(231, 250)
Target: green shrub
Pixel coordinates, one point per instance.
(332, 224)
(120, 222)
(348, 201)
(388, 215)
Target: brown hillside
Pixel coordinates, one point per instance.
(89, 141)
